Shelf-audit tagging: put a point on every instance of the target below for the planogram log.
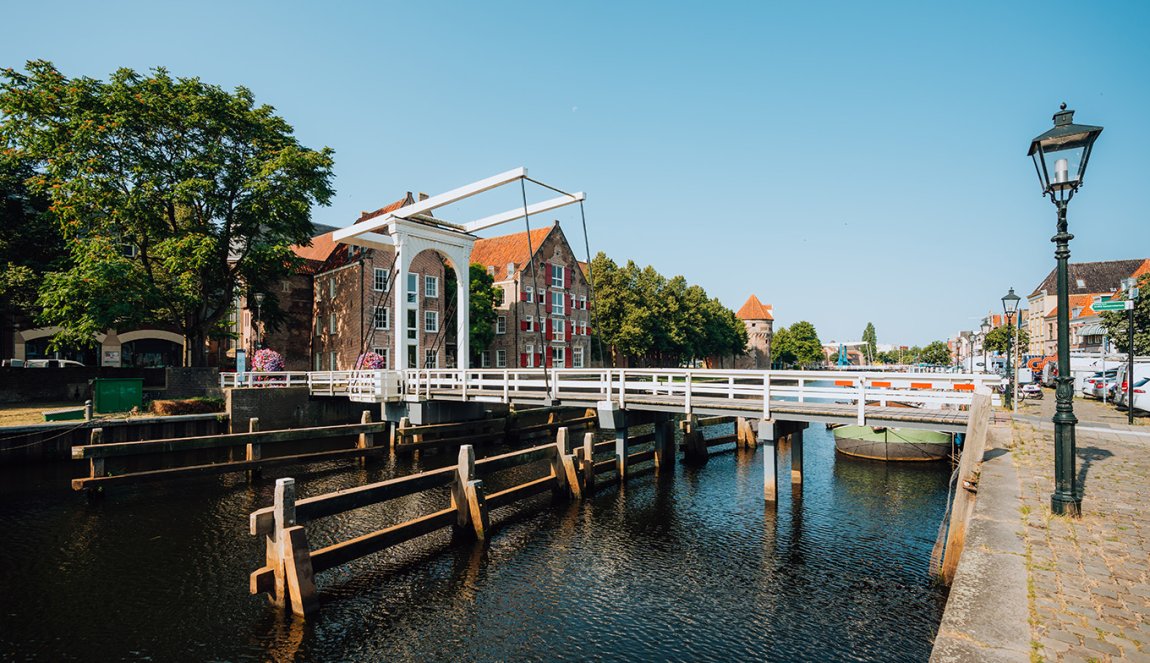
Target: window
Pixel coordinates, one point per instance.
(431, 321)
(331, 361)
(318, 361)
(500, 296)
(556, 329)
(542, 296)
(484, 359)
(412, 356)
(557, 276)
(500, 359)
(285, 286)
(318, 326)
(501, 324)
(431, 286)
(530, 320)
(530, 356)
(412, 328)
(331, 288)
(380, 317)
(380, 279)
(331, 325)
(412, 287)
(557, 307)
(558, 356)
(530, 292)
(583, 302)
(430, 358)
(577, 357)
(385, 353)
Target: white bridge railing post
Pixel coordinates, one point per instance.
(766, 395)
(862, 401)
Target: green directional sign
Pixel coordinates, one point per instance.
(1110, 306)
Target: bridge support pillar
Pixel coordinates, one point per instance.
(694, 444)
(797, 457)
(621, 452)
(664, 442)
(770, 471)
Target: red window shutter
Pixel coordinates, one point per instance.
(567, 278)
(567, 358)
(538, 358)
(550, 360)
(546, 274)
(523, 296)
(522, 325)
(567, 301)
(522, 359)
(548, 329)
(568, 329)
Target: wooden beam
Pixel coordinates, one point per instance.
(419, 207)
(515, 214)
(352, 549)
(520, 492)
(300, 576)
(221, 441)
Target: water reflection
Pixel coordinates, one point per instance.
(686, 564)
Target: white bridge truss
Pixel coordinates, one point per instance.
(921, 400)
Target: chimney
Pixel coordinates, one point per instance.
(423, 196)
(510, 269)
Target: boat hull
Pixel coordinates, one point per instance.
(892, 444)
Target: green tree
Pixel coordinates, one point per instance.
(936, 353)
(1116, 321)
(798, 345)
(996, 339)
(30, 244)
(481, 310)
(871, 341)
(172, 195)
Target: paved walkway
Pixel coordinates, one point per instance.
(1089, 579)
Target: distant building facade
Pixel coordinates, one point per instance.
(759, 320)
(1091, 279)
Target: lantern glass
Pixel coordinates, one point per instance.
(1010, 302)
(1061, 154)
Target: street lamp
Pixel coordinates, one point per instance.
(985, 331)
(259, 311)
(1009, 307)
(1064, 152)
(1130, 285)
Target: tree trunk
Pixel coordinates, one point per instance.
(197, 351)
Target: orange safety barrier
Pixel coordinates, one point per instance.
(921, 385)
(879, 383)
(964, 387)
(844, 383)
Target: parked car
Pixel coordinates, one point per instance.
(1092, 386)
(52, 363)
(1142, 397)
(1031, 390)
(1120, 392)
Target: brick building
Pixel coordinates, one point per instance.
(542, 314)
(1093, 279)
(759, 321)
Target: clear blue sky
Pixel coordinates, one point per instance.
(847, 162)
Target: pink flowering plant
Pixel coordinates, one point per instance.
(267, 360)
(370, 362)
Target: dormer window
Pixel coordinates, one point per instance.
(1081, 282)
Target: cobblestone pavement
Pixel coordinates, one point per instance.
(1089, 579)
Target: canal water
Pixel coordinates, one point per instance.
(687, 566)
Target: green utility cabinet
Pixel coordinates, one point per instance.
(117, 394)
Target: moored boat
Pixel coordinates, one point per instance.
(896, 444)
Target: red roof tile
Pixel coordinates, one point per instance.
(498, 251)
(754, 310)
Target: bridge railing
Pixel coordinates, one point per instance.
(357, 385)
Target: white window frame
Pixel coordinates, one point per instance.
(331, 288)
(530, 323)
(285, 286)
(530, 356)
(558, 303)
(557, 276)
(577, 356)
(413, 328)
(412, 288)
(583, 302)
(500, 359)
(501, 324)
(530, 292)
(558, 329)
(501, 296)
(379, 283)
(430, 353)
(543, 296)
(430, 286)
(331, 360)
(485, 359)
(331, 323)
(431, 321)
(383, 311)
(558, 356)
(386, 354)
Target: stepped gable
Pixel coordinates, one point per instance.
(754, 309)
(1095, 277)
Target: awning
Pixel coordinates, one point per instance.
(1095, 329)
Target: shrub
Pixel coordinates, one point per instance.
(370, 362)
(267, 360)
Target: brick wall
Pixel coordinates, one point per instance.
(24, 385)
(192, 382)
(290, 407)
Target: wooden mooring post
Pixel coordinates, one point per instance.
(694, 444)
(797, 457)
(252, 450)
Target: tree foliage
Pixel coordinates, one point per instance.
(171, 194)
(936, 353)
(996, 339)
(871, 339)
(656, 321)
(798, 345)
(1116, 321)
(30, 243)
(481, 308)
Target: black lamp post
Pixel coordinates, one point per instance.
(985, 331)
(1060, 157)
(259, 314)
(1130, 285)
(1009, 307)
